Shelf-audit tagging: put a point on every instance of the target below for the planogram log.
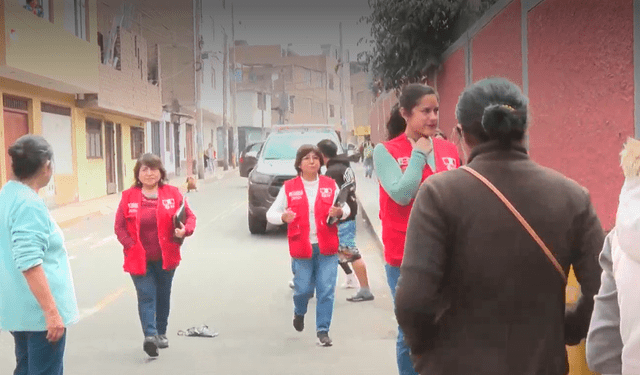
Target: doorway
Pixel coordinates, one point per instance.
(120, 159)
(190, 167)
(176, 146)
(109, 145)
(16, 124)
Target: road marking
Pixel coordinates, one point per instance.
(225, 213)
(85, 313)
(104, 241)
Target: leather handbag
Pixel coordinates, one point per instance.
(521, 219)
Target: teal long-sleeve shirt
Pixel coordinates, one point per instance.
(401, 187)
(29, 237)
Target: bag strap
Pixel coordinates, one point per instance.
(521, 219)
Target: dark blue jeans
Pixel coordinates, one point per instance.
(405, 365)
(154, 294)
(37, 356)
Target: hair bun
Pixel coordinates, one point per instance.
(501, 121)
(16, 151)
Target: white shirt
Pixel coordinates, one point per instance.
(279, 207)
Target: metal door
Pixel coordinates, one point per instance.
(16, 124)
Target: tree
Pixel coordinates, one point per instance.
(408, 37)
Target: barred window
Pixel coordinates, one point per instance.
(94, 138)
(137, 142)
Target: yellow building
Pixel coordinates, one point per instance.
(54, 82)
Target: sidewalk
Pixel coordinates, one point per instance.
(367, 193)
(73, 213)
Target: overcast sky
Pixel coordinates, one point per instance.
(306, 24)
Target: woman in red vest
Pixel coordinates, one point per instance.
(144, 227)
(305, 203)
(411, 154)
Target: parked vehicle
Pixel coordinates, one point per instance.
(275, 166)
(249, 158)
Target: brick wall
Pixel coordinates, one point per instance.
(127, 90)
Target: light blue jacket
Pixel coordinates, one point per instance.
(29, 237)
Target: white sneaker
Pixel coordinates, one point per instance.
(351, 282)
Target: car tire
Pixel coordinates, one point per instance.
(257, 225)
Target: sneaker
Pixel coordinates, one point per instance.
(298, 322)
(292, 285)
(351, 282)
(163, 341)
(361, 296)
(323, 339)
(150, 346)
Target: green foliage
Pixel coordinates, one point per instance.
(408, 37)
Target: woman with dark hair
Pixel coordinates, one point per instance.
(411, 154)
(144, 226)
(37, 298)
(305, 203)
(482, 286)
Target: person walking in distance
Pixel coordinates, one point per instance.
(37, 297)
(339, 169)
(402, 163)
(367, 154)
(305, 203)
(144, 226)
(483, 279)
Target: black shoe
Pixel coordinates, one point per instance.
(323, 339)
(298, 322)
(163, 341)
(150, 346)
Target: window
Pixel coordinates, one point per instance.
(94, 138)
(41, 9)
(262, 101)
(75, 17)
(137, 142)
(331, 83)
(292, 100)
(307, 77)
(332, 111)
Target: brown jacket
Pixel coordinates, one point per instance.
(476, 293)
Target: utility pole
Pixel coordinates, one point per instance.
(225, 122)
(234, 114)
(343, 107)
(197, 55)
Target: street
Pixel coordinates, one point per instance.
(235, 283)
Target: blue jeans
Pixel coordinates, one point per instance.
(37, 356)
(154, 294)
(321, 272)
(405, 365)
(347, 233)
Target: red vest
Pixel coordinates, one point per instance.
(298, 229)
(169, 199)
(395, 217)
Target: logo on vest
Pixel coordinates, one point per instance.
(403, 162)
(294, 195)
(133, 207)
(450, 163)
(169, 203)
(325, 192)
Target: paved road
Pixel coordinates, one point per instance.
(230, 280)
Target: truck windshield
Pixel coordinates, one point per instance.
(285, 145)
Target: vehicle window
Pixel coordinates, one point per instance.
(285, 146)
(256, 147)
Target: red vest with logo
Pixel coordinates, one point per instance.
(395, 217)
(298, 229)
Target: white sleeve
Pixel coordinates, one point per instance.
(279, 206)
(346, 210)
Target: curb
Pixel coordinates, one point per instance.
(365, 216)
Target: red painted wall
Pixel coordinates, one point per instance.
(497, 49)
(581, 91)
(450, 83)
